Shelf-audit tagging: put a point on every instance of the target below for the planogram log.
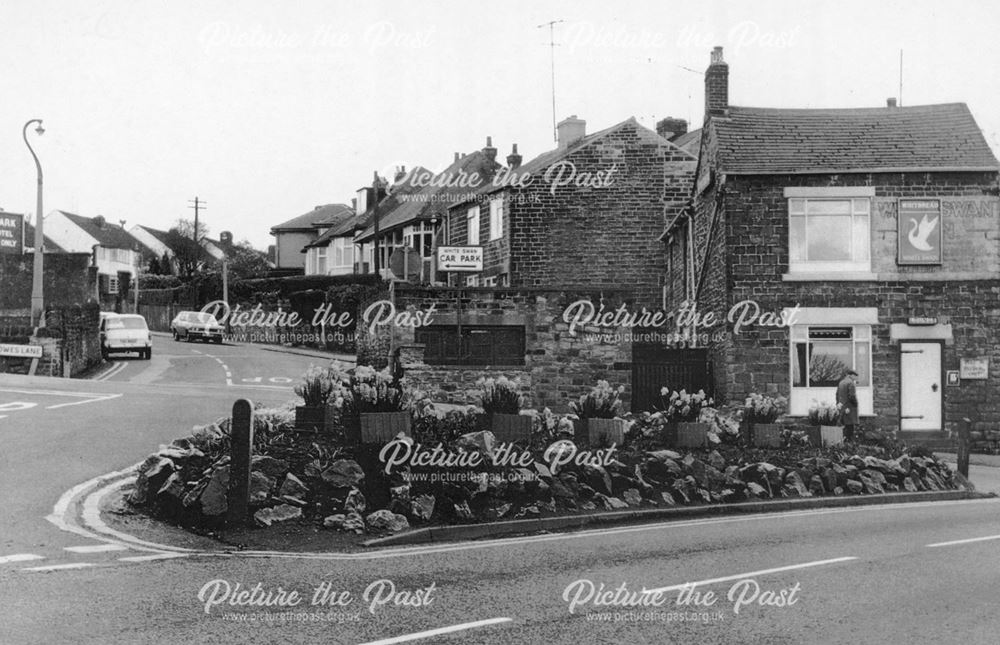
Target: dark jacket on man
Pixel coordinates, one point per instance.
(847, 396)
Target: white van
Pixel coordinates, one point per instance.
(125, 333)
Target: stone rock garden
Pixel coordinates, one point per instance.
(379, 458)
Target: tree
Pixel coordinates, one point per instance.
(246, 262)
(191, 257)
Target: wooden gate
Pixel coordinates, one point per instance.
(655, 367)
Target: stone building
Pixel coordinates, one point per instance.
(586, 213)
(871, 237)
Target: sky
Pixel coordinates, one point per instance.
(264, 110)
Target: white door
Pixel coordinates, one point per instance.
(920, 387)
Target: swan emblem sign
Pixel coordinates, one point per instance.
(919, 231)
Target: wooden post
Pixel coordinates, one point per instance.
(964, 432)
(241, 452)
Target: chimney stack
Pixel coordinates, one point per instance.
(400, 173)
(457, 156)
(513, 159)
(489, 151)
(570, 130)
(890, 102)
(716, 85)
(671, 128)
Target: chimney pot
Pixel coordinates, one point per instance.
(890, 102)
(570, 130)
(456, 156)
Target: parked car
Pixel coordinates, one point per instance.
(125, 333)
(191, 325)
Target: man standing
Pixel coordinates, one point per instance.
(847, 398)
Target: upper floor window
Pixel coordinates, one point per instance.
(496, 218)
(473, 222)
(829, 229)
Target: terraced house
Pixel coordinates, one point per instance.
(875, 231)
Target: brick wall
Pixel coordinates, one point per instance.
(608, 236)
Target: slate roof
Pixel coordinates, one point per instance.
(321, 215)
(537, 166)
(430, 201)
(108, 235)
(889, 139)
(29, 240)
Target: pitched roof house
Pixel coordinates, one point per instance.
(292, 236)
(845, 239)
(585, 213)
(116, 253)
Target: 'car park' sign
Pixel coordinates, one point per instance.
(11, 233)
(460, 258)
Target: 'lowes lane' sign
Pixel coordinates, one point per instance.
(21, 351)
(11, 233)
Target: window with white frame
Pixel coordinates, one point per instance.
(321, 260)
(472, 281)
(112, 284)
(343, 252)
(821, 355)
(829, 230)
(490, 282)
(496, 218)
(473, 223)
(420, 236)
(823, 347)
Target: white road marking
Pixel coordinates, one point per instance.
(115, 368)
(437, 632)
(20, 557)
(150, 558)
(749, 574)
(14, 406)
(60, 567)
(966, 541)
(91, 397)
(91, 516)
(96, 548)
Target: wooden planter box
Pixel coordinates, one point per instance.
(821, 436)
(383, 427)
(310, 418)
(692, 435)
(509, 428)
(766, 435)
(594, 432)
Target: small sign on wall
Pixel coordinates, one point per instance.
(11, 233)
(953, 378)
(975, 369)
(919, 229)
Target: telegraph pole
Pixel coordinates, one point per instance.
(552, 57)
(198, 205)
(376, 259)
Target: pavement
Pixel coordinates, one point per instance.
(984, 470)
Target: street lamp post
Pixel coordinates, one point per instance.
(37, 299)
